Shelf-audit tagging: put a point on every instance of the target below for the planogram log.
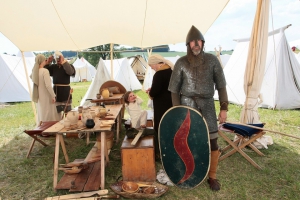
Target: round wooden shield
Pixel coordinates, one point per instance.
(184, 146)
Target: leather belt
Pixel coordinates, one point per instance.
(61, 84)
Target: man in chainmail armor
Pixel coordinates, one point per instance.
(194, 80)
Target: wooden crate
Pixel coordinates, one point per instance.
(138, 162)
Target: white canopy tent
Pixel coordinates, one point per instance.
(23, 23)
(123, 74)
(102, 75)
(84, 70)
(280, 87)
(132, 26)
(13, 80)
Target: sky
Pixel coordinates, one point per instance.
(234, 22)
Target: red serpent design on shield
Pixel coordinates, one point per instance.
(182, 147)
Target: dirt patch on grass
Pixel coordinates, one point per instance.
(3, 105)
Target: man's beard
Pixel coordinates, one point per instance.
(196, 51)
(195, 60)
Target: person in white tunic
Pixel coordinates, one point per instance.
(43, 93)
(133, 104)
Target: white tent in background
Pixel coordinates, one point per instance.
(298, 57)
(84, 70)
(26, 54)
(173, 59)
(13, 83)
(139, 66)
(123, 74)
(102, 75)
(225, 58)
(281, 83)
(148, 78)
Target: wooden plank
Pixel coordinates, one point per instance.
(94, 179)
(54, 128)
(82, 178)
(65, 181)
(79, 195)
(137, 137)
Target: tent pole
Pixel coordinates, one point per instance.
(29, 88)
(111, 61)
(218, 54)
(149, 51)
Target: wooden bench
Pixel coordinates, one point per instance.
(37, 134)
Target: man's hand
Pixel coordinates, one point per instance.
(49, 60)
(61, 60)
(222, 116)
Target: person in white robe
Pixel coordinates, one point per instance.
(43, 93)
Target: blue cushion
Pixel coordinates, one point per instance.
(242, 129)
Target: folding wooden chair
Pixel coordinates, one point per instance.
(245, 137)
(37, 134)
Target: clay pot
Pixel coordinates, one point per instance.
(85, 115)
(67, 123)
(102, 111)
(105, 93)
(72, 116)
(98, 96)
(93, 114)
(90, 123)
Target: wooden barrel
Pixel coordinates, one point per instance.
(109, 140)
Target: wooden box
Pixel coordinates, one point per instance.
(138, 162)
(149, 118)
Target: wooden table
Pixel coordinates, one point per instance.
(115, 98)
(59, 130)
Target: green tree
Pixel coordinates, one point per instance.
(102, 51)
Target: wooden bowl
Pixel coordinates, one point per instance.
(149, 190)
(130, 187)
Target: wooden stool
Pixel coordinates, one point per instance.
(243, 140)
(138, 162)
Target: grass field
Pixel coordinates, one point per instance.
(22, 178)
